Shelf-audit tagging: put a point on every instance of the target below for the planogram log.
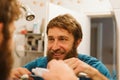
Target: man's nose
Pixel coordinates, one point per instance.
(55, 45)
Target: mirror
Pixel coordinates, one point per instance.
(102, 42)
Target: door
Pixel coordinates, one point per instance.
(103, 42)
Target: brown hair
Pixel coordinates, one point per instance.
(9, 11)
(68, 23)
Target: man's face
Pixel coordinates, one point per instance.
(60, 43)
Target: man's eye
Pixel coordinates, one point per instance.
(50, 39)
(63, 39)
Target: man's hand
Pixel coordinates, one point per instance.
(81, 67)
(59, 70)
(16, 73)
(77, 65)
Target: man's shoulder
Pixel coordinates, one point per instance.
(85, 57)
(90, 60)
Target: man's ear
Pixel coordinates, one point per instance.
(1, 27)
(78, 42)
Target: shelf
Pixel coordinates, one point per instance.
(33, 34)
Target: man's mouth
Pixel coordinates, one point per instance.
(57, 54)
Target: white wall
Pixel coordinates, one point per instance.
(39, 9)
(86, 6)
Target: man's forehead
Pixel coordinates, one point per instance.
(58, 30)
(61, 36)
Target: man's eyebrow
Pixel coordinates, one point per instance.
(49, 36)
(63, 36)
(66, 37)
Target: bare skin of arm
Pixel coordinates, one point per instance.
(81, 67)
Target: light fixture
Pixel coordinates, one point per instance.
(29, 14)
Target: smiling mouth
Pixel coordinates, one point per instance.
(57, 55)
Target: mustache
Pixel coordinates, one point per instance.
(56, 51)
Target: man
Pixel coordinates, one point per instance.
(64, 35)
(9, 12)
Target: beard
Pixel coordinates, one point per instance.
(69, 54)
